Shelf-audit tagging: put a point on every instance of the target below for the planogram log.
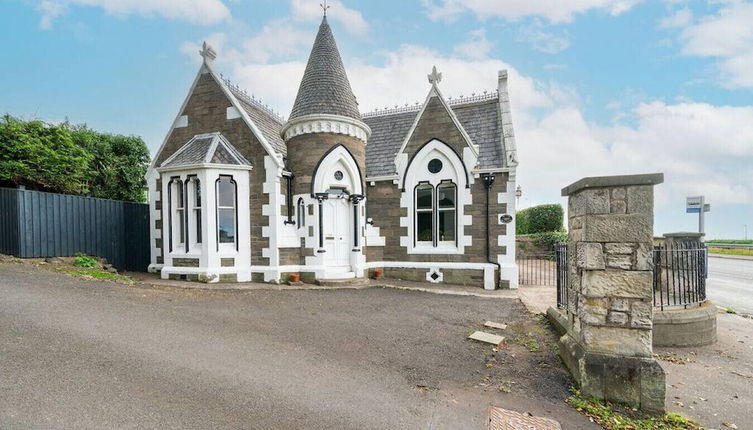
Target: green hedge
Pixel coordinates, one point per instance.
(540, 219)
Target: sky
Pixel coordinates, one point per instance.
(598, 87)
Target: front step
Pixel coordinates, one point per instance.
(352, 282)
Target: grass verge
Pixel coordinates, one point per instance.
(93, 273)
(613, 417)
(727, 251)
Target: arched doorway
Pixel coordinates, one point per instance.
(337, 185)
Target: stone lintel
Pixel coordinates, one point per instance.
(613, 181)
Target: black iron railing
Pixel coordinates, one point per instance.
(680, 272)
(537, 269)
(560, 251)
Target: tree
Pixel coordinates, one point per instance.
(42, 156)
(118, 165)
(72, 159)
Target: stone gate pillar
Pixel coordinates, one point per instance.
(607, 346)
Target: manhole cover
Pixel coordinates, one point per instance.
(502, 419)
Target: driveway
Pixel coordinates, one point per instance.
(91, 354)
(730, 283)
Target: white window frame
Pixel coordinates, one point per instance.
(453, 170)
(226, 246)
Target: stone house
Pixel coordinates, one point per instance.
(238, 194)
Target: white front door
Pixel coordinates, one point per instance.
(337, 227)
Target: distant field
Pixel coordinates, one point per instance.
(732, 241)
(727, 251)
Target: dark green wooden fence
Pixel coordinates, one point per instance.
(37, 224)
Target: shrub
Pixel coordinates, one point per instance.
(82, 260)
(540, 219)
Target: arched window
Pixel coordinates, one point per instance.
(197, 208)
(180, 208)
(226, 210)
(425, 213)
(301, 212)
(446, 210)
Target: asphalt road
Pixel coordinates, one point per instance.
(730, 283)
(90, 354)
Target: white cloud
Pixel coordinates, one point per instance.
(701, 148)
(202, 12)
(50, 10)
(679, 19)
(553, 10)
(351, 19)
(477, 47)
(545, 41)
(726, 36)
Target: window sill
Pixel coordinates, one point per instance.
(441, 249)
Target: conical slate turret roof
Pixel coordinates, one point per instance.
(325, 88)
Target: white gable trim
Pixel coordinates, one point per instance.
(434, 92)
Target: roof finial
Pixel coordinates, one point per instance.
(208, 53)
(324, 7)
(435, 77)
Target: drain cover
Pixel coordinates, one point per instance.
(503, 419)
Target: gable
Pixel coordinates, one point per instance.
(208, 109)
(435, 123)
(479, 118)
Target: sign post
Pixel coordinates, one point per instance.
(698, 205)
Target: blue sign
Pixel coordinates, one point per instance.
(693, 210)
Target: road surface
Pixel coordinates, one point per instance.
(730, 283)
(89, 354)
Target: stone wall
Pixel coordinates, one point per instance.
(608, 344)
(305, 152)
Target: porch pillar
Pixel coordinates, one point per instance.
(356, 198)
(320, 200)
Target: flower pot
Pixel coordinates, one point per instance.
(295, 277)
(378, 273)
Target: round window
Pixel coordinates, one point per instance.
(435, 165)
(339, 175)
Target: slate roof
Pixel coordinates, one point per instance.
(325, 88)
(481, 120)
(206, 148)
(269, 125)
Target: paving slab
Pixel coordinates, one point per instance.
(485, 337)
(492, 324)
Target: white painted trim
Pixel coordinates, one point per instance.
(232, 113)
(507, 262)
(325, 179)
(453, 170)
(509, 147)
(203, 166)
(434, 92)
(181, 122)
(273, 211)
(382, 178)
(325, 123)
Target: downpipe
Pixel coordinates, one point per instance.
(488, 182)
